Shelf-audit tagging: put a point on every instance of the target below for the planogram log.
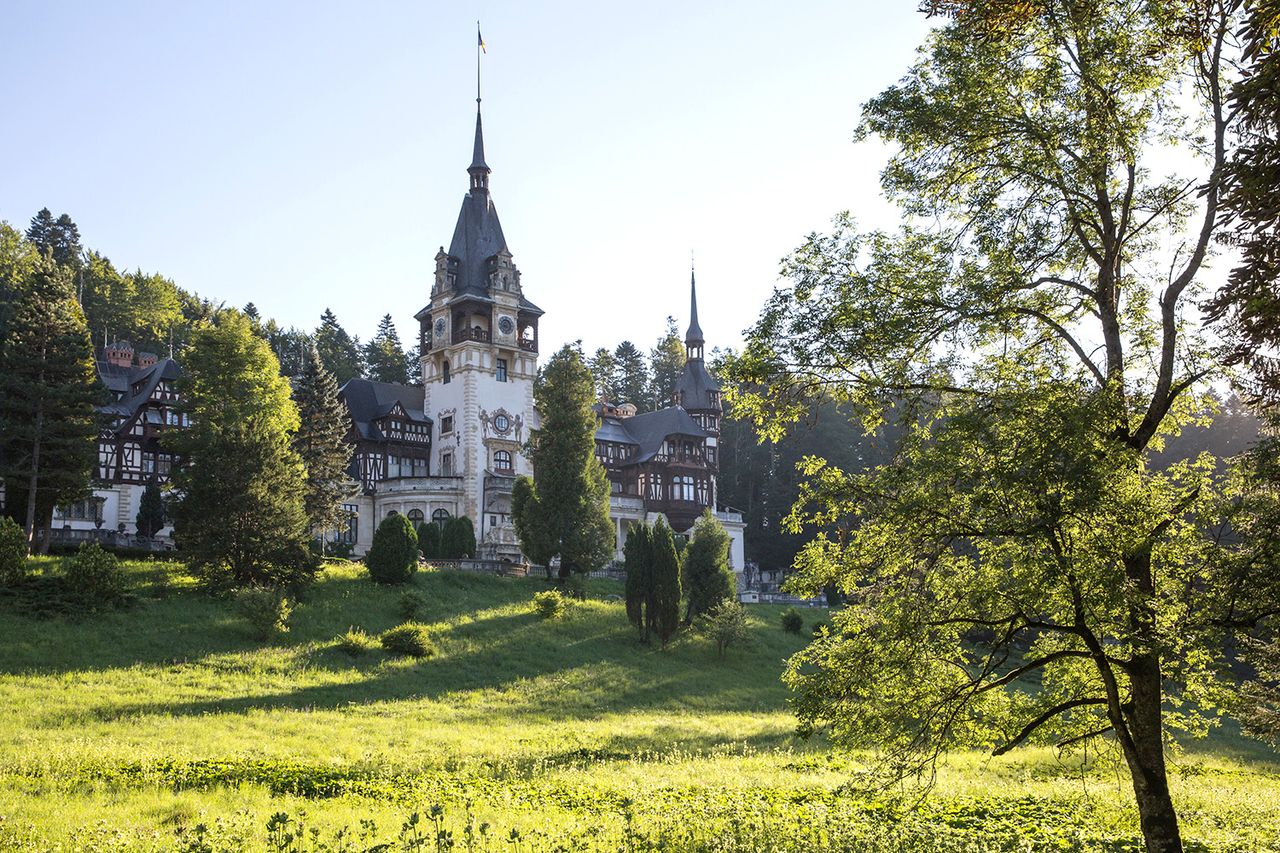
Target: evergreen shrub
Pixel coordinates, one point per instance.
(792, 622)
(549, 604)
(429, 540)
(13, 553)
(393, 556)
(410, 605)
(94, 575)
(410, 640)
(356, 642)
(266, 610)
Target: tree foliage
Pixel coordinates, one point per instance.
(339, 351)
(48, 390)
(239, 513)
(564, 510)
(321, 444)
(1018, 572)
(429, 540)
(151, 517)
(666, 363)
(385, 357)
(393, 556)
(708, 580)
(631, 376)
(726, 625)
(664, 602)
(637, 553)
(458, 539)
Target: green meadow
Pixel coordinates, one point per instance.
(166, 726)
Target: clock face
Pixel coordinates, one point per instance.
(501, 423)
(506, 325)
(440, 328)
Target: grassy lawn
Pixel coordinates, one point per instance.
(167, 726)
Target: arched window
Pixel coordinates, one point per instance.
(444, 372)
(502, 460)
(440, 516)
(416, 516)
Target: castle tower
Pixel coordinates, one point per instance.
(479, 339)
(697, 391)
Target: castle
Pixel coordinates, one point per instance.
(452, 445)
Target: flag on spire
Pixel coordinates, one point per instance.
(479, 38)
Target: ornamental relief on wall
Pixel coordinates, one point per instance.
(502, 424)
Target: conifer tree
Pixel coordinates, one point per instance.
(664, 603)
(384, 355)
(240, 516)
(631, 376)
(321, 445)
(666, 362)
(338, 350)
(604, 369)
(48, 390)
(58, 237)
(429, 540)
(565, 510)
(708, 580)
(151, 515)
(638, 560)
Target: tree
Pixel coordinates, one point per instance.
(564, 510)
(385, 357)
(604, 367)
(239, 512)
(48, 390)
(726, 625)
(151, 516)
(393, 556)
(664, 604)
(429, 540)
(631, 376)
(321, 444)
(637, 555)
(338, 350)
(58, 238)
(666, 363)
(708, 580)
(1019, 521)
(458, 539)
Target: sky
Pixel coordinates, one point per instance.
(304, 156)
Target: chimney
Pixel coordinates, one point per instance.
(119, 354)
(147, 359)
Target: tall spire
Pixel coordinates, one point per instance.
(479, 170)
(693, 340)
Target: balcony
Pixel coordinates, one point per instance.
(528, 346)
(475, 333)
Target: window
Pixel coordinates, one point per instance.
(348, 535)
(502, 460)
(416, 516)
(446, 465)
(446, 424)
(493, 521)
(440, 516)
(682, 489)
(444, 372)
(502, 370)
(501, 423)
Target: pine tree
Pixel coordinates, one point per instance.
(322, 446)
(48, 390)
(666, 362)
(664, 603)
(604, 370)
(151, 516)
(565, 511)
(241, 518)
(631, 376)
(59, 237)
(338, 350)
(708, 581)
(385, 356)
(40, 231)
(638, 556)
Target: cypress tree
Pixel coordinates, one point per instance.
(385, 356)
(429, 540)
(565, 512)
(321, 444)
(48, 390)
(338, 350)
(241, 517)
(707, 578)
(638, 557)
(151, 513)
(664, 603)
(458, 539)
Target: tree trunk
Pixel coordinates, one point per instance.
(1146, 759)
(33, 484)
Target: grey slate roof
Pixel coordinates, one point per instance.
(476, 238)
(132, 386)
(368, 401)
(647, 432)
(694, 384)
(693, 337)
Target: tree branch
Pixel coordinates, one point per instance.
(1039, 721)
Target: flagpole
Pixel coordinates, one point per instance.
(479, 41)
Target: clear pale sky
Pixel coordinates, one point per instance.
(312, 155)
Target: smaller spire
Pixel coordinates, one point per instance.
(479, 169)
(693, 340)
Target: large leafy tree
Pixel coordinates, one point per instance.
(666, 362)
(1018, 572)
(321, 444)
(631, 376)
(384, 355)
(48, 390)
(338, 350)
(239, 512)
(564, 511)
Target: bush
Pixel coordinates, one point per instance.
(429, 540)
(266, 610)
(458, 539)
(575, 586)
(356, 642)
(94, 575)
(410, 605)
(792, 622)
(410, 639)
(13, 553)
(549, 604)
(726, 625)
(393, 557)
